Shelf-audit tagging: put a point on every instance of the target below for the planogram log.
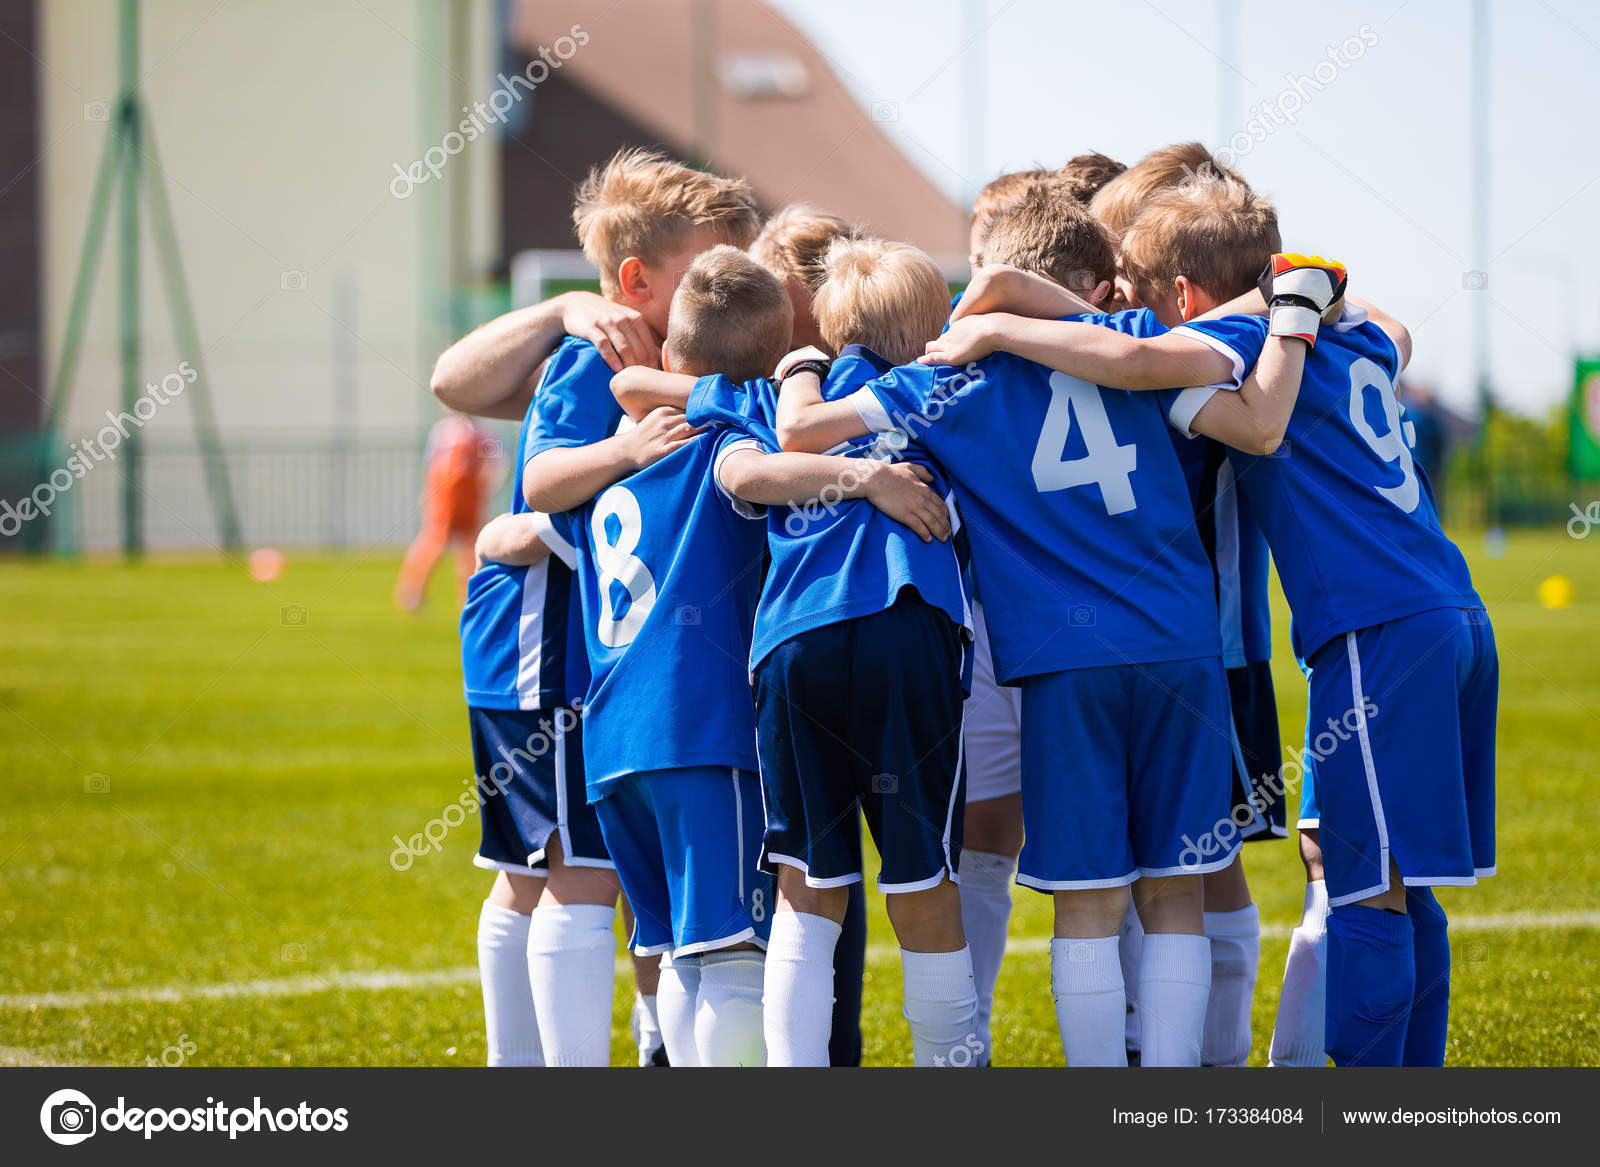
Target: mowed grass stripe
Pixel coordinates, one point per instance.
(377, 982)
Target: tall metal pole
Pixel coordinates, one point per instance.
(1477, 280)
(128, 271)
(975, 109)
(1227, 73)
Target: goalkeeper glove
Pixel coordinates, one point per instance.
(1298, 290)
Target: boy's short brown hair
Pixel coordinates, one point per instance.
(1119, 201)
(1090, 172)
(999, 194)
(890, 297)
(729, 315)
(794, 240)
(1214, 231)
(642, 203)
(1053, 236)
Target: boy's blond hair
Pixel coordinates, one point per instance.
(999, 194)
(1214, 231)
(1090, 173)
(795, 239)
(890, 297)
(1118, 203)
(729, 315)
(642, 204)
(1053, 236)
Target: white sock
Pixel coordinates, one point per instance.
(1235, 952)
(571, 965)
(727, 1010)
(985, 885)
(1299, 1036)
(941, 1007)
(507, 997)
(1174, 984)
(675, 995)
(797, 991)
(646, 1026)
(1130, 942)
(1086, 982)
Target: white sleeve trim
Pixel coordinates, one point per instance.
(1188, 403)
(1222, 347)
(743, 509)
(552, 539)
(873, 415)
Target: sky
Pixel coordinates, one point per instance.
(1373, 168)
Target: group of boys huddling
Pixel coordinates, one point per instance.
(796, 541)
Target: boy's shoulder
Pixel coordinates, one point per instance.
(1355, 336)
(574, 360)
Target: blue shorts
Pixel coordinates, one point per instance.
(1125, 772)
(1400, 739)
(1258, 793)
(685, 844)
(864, 713)
(529, 765)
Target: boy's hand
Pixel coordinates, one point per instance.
(966, 340)
(1299, 290)
(662, 431)
(1000, 287)
(619, 332)
(900, 490)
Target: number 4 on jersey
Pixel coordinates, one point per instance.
(1105, 463)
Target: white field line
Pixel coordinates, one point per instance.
(306, 984)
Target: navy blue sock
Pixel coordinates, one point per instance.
(1371, 980)
(1430, 1007)
(849, 965)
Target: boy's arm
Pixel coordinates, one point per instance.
(1255, 417)
(1002, 288)
(565, 477)
(898, 489)
(1398, 333)
(1099, 355)
(512, 540)
(492, 371)
(639, 390)
(807, 423)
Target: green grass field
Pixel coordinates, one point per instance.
(203, 774)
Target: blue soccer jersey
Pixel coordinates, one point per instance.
(574, 405)
(1074, 503)
(518, 648)
(1350, 520)
(838, 560)
(1237, 547)
(669, 569)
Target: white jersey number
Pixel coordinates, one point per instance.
(1105, 463)
(1390, 445)
(618, 564)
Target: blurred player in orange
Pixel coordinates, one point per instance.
(462, 461)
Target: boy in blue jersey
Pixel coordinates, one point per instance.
(1108, 625)
(641, 219)
(858, 658)
(1400, 656)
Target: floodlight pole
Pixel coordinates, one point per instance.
(128, 269)
(1478, 82)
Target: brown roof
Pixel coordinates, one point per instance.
(766, 106)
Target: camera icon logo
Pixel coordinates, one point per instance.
(687, 616)
(293, 280)
(1281, 452)
(491, 449)
(885, 111)
(97, 784)
(68, 1117)
(1474, 281)
(292, 615)
(97, 111)
(1081, 615)
(292, 953)
(886, 784)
